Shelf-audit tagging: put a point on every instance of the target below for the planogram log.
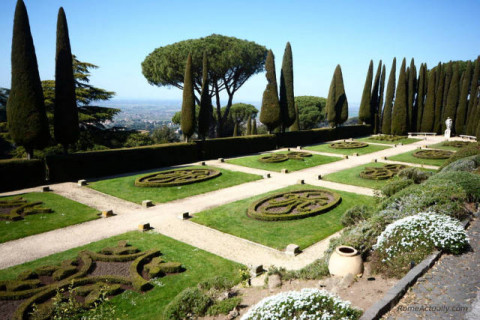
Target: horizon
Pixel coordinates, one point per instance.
(117, 37)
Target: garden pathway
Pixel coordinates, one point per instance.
(164, 217)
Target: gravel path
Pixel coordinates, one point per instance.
(164, 217)
(449, 290)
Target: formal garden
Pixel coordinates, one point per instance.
(302, 213)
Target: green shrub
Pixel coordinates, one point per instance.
(468, 181)
(216, 283)
(224, 306)
(187, 304)
(395, 186)
(465, 152)
(356, 214)
(466, 164)
(415, 174)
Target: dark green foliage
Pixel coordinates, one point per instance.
(235, 129)
(390, 94)
(411, 90)
(464, 152)
(65, 107)
(176, 177)
(395, 186)
(311, 111)
(468, 181)
(460, 119)
(365, 112)
(428, 116)
(188, 103)
(375, 104)
(4, 93)
(18, 174)
(452, 97)
(420, 101)
(378, 125)
(296, 125)
(249, 125)
(205, 114)
(337, 104)
(254, 126)
(27, 120)
(440, 77)
(414, 174)
(287, 100)
(356, 214)
(433, 154)
(448, 79)
(224, 306)
(400, 112)
(270, 114)
(473, 112)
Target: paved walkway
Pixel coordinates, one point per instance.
(164, 217)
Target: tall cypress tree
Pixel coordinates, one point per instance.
(472, 103)
(452, 97)
(205, 113)
(448, 78)
(439, 98)
(26, 117)
(270, 113)
(249, 125)
(188, 103)
(422, 89)
(296, 125)
(337, 104)
(287, 98)
(254, 126)
(365, 112)
(428, 116)
(400, 113)
(461, 115)
(380, 99)
(375, 99)
(65, 108)
(412, 90)
(390, 94)
(477, 133)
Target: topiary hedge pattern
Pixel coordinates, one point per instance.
(281, 157)
(176, 177)
(36, 288)
(293, 205)
(382, 173)
(349, 145)
(457, 144)
(433, 154)
(17, 208)
(384, 137)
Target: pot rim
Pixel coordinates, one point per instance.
(350, 251)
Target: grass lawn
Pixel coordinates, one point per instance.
(124, 187)
(200, 265)
(441, 146)
(408, 157)
(352, 176)
(232, 219)
(65, 212)
(325, 147)
(404, 141)
(290, 164)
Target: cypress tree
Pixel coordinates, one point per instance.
(399, 113)
(478, 120)
(448, 78)
(461, 115)
(65, 108)
(337, 104)
(249, 125)
(188, 103)
(235, 130)
(412, 90)
(375, 98)
(387, 110)
(472, 103)
(452, 97)
(365, 112)
(254, 126)
(380, 99)
(205, 113)
(439, 98)
(296, 125)
(428, 116)
(287, 98)
(26, 116)
(270, 113)
(422, 88)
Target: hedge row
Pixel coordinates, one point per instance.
(18, 174)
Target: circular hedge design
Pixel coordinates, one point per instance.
(385, 137)
(17, 208)
(382, 173)
(433, 154)
(176, 177)
(456, 144)
(281, 157)
(293, 205)
(297, 155)
(348, 145)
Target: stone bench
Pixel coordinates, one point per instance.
(422, 134)
(468, 137)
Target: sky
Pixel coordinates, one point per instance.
(117, 35)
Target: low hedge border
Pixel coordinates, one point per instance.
(199, 175)
(382, 173)
(349, 145)
(433, 154)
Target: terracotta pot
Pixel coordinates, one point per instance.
(345, 260)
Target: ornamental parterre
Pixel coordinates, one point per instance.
(382, 173)
(433, 154)
(17, 208)
(281, 157)
(293, 205)
(176, 177)
(348, 145)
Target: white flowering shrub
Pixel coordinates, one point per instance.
(302, 305)
(413, 238)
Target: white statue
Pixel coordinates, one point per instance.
(448, 132)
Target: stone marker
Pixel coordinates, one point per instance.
(301, 181)
(221, 159)
(274, 281)
(425, 146)
(376, 160)
(107, 213)
(256, 270)
(284, 170)
(147, 203)
(299, 147)
(203, 163)
(46, 189)
(82, 183)
(185, 216)
(400, 143)
(144, 227)
(356, 154)
(395, 145)
(288, 149)
(266, 175)
(292, 250)
(345, 156)
(319, 177)
(384, 158)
